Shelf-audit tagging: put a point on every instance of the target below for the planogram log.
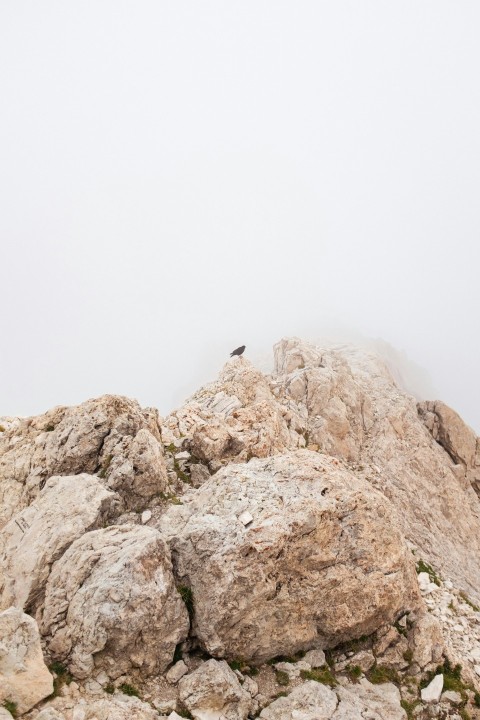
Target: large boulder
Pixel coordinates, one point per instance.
(111, 436)
(213, 692)
(24, 677)
(111, 603)
(31, 542)
(288, 553)
(347, 403)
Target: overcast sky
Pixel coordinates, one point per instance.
(179, 178)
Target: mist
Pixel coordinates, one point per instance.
(178, 179)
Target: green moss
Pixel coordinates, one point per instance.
(452, 679)
(476, 699)
(129, 690)
(409, 707)
(110, 689)
(422, 566)
(11, 707)
(236, 664)
(183, 712)
(105, 466)
(62, 678)
(467, 600)
(464, 714)
(173, 499)
(282, 677)
(354, 672)
(322, 675)
(408, 655)
(379, 674)
(252, 671)
(186, 594)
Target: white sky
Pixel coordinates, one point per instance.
(180, 178)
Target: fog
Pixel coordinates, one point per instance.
(180, 178)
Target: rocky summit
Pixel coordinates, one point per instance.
(303, 545)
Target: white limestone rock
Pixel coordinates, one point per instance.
(116, 707)
(29, 544)
(310, 701)
(213, 692)
(111, 603)
(433, 691)
(315, 658)
(323, 561)
(24, 677)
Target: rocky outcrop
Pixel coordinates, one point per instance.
(232, 419)
(457, 439)
(347, 404)
(30, 543)
(320, 561)
(111, 603)
(24, 677)
(110, 436)
(212, 692)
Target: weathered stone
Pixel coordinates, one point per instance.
(426, 640)
(214, 692)
(50, 713)
(433, 691)
(198, 474)
(176, 672)
(321, 563)
(310, 701)
(451, 696)
(111, 436)
(111, 603)
(314, 701)
(315, 658)
(36, 537)
(117, 707)
(24, 677)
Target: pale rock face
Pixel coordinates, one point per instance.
(29, 544)
(117, 707)
(234, 418)
(24, 677)
(213, 692)
(347, 401)
(111, 436)
(310, 701)
(322, 561)
(111, 603)
(314, 701)
(50, 713)
(454, 435)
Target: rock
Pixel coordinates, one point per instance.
(111, 436)
(36, 537)
(198, 474)
(49, 713)
(165, 707)
(24, 677)
(452, 697)
(453, 434)
(250, 686)
(245, 518)
(364, 700)
(4, 714)
(117, 707)
(111, 603)
(314, 701)
(433, 691)
(363, 659)
(236, 417)
(213, 691)
(174, 716)
(310, 701)
(356, 573)
(426, 640)
(176, 672)
(315, 658)
(146, 516)
(350, 403)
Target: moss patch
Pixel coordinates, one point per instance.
(11, 707)
(282, 677)
(422, 566)
(379, 674)
(129, 690)
(186, 594)
(322, 675)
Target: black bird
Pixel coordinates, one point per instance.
(238, 351)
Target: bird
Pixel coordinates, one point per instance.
(238, 351)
